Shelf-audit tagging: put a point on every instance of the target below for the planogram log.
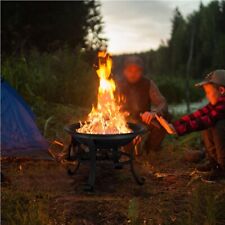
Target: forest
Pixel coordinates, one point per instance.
(196, 45)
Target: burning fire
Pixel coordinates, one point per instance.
(106, 117)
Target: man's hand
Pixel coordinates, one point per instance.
(167, 126)
(147, 117)
(137, 140)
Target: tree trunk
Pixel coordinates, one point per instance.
(188, 70)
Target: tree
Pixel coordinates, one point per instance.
(177, 43)
(94, 39)
(50, 25)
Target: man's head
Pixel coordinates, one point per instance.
(133, 69)
(214, 85)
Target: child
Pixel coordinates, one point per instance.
(211, 119)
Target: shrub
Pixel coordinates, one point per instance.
(173, 88)
(57, 86)
(60, 77)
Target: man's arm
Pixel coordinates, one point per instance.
(158, 99)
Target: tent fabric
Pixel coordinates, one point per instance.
(19, 132)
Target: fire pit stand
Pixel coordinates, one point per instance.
(92, 147)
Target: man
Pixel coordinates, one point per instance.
(141, 94)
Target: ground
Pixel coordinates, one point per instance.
(41, 192)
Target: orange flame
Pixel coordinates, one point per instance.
(107, 117)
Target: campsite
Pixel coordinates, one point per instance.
(111, 116)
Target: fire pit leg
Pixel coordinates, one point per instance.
(116, 156)
(92, 173)
(138, 179)
(73, 150)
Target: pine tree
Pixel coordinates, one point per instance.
(47, 25)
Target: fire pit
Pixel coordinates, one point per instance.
(106, 129)
(111, 145)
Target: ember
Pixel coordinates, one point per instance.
(106, 117)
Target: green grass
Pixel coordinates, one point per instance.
(23, 209)
(133, 211)
(206, 207)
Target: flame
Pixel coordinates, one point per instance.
(106, 117)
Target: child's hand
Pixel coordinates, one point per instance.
(167, 126)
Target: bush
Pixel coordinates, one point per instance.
(57, 86)
(173, 88)
(60, 77)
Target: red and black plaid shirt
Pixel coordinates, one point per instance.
(201, 119)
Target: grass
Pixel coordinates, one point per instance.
(205, 207)
(23, 209)
(133, 211)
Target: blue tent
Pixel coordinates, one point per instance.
(19, 133)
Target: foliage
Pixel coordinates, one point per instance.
(61, 77)
(56, 85)
(207, 26)
(50, 25)
(173, 88)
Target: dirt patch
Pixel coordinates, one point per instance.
(165, 197)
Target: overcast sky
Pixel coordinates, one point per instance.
(134, 26)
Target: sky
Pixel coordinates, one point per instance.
(137, 25)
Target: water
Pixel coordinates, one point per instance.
(182, 108)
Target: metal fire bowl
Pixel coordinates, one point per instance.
(106, 140)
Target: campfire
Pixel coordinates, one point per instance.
(105, 132)
(106, 117)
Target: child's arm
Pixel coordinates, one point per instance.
(185, 124)
(195, 115)
(201, 119)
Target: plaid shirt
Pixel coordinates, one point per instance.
(201, 119)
